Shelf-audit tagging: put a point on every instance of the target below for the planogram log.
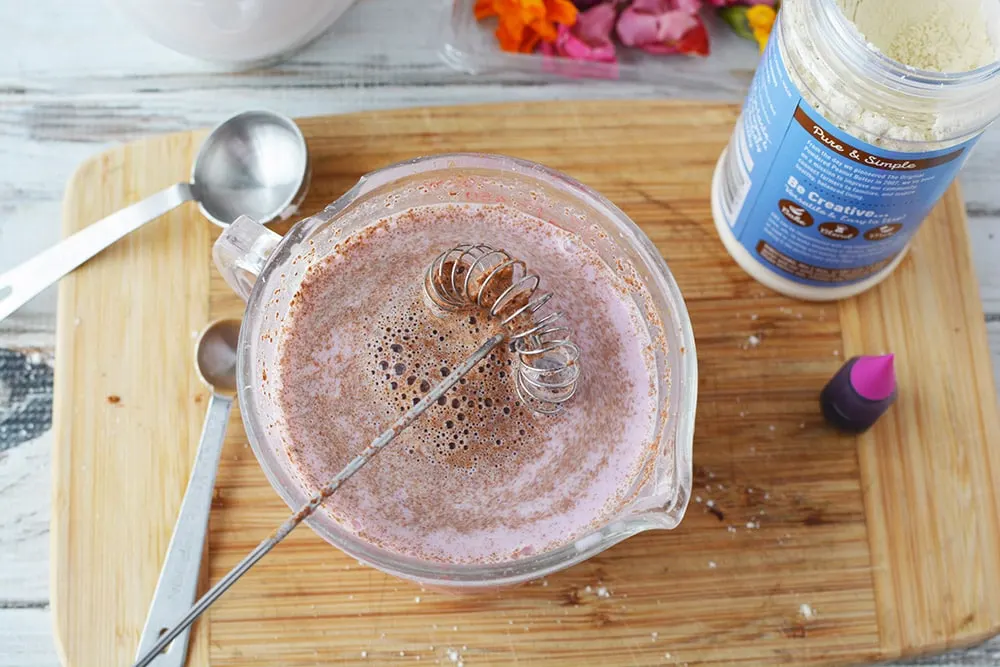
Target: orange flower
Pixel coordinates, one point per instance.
(761, 19)
(523, 23)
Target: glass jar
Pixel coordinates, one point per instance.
(266, 270)
(839, 154)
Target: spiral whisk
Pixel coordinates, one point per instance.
(476, 276)
(464, 278)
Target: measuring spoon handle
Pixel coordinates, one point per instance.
(401, 424)
(178, 582)
(23, 282)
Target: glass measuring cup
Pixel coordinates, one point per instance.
(267, 270)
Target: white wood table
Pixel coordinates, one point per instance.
(76, 79)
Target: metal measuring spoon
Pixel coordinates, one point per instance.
(255, 163)
(180, 628)
(178, 583)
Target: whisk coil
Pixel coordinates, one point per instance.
(477, 276)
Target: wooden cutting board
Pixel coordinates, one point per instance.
(802, 546)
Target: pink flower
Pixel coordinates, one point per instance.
(589, 38)
(664, 26)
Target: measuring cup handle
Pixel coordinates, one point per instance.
(241, 253)
(22, 283)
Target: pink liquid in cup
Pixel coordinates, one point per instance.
(479, 479)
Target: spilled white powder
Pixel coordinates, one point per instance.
(935, 35)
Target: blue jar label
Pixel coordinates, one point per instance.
(813, 203)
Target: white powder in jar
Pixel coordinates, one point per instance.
(860, 114)
(932, 35)
(955, 36)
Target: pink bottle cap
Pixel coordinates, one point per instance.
(874, 378)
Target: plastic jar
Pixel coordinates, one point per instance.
(839, 155)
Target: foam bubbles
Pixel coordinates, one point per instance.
(478, 425)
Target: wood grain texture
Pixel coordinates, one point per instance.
(24, 536)
(793, 505)
(78, 79)
(934, 461)
(128, 405)
(28, 638)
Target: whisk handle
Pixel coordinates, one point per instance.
(387, 436)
